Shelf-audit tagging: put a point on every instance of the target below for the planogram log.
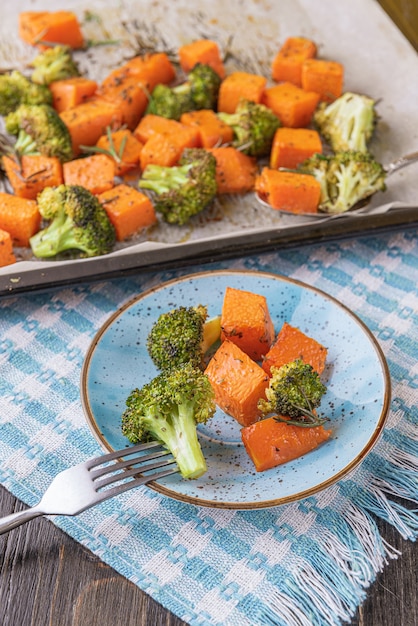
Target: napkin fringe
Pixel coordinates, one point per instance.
(309, 601)
(320, 585)
(315, 594)
(356, 531)
(389, 482)
(284, 606)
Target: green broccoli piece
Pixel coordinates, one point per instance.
(16, 89)
(348, 179)
(166, 102)
(182, 335)
(347, 123)
(204, 84)
(317, 165)
(184, 190)
(55, 63)
(295, 390)
(77, 222)
(199, 91)
(254, 126)
(168, 409)
(39, 129)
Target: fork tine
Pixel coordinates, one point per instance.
(99, 484)
(76, 488)
(135, 482)
(96, 473)
(117, 454)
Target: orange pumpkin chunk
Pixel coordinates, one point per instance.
(291, 344)
(130, 97)
(62, 27)
(235, 171)
(127, 148)
(34, 173)
(19, 217)
(88, 121)
(128, 209)
(203, 51)
(246, 321)
(212, 131)
(287, 64)
(292, 146)
(289, 191)
(240, 86)
(324, 77)
(293, 106)
(96, 173)
(7, 256)
(238, 382)
(270, 443)
(69, 92)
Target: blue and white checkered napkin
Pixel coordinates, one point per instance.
(304, 564)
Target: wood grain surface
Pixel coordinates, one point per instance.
(405, 15)
(48, 579)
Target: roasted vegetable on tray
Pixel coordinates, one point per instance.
(182, 129)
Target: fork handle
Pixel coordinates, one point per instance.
(17, 519)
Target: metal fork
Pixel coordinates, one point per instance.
(80, 487)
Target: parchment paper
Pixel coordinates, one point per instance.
(378, 61)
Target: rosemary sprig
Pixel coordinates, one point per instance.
(112, 151)
(27, 179)
(8, 148)
(308, 419)
(95, 43)
(90, 16)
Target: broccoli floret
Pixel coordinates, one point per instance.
(166, 102)
(204, 84)
(254, 126)
(168, 409)
(183, 190)
(182, 335)
(200, 91)
(317, 166)
(347, 123)
(78, 222)
(40, 129)
(295, 390)
(55, 63)
(347, 179)
(16, 89)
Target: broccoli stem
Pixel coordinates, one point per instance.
(183, 89)
(162, 179)
(56, 238)
(189, 457)
(180, 437)
(309, 419)
(25, 144)
(232, 119)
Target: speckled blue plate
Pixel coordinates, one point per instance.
(357, 398)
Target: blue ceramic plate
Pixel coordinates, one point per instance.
(356, 402)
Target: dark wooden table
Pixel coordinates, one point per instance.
(48, 579)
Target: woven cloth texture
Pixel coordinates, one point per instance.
(308, 563)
